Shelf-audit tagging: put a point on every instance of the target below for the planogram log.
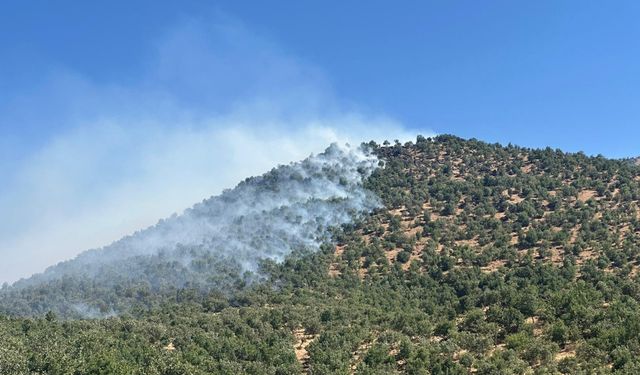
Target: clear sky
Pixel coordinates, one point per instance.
(560, 73)
(116, 113)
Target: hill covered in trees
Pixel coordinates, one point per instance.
(468, 258)
(218, 244)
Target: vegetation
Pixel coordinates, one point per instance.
(484, 259)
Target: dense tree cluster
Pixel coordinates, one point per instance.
(485, 259)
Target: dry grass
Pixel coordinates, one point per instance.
(493, 266)
(569, 351)
(585, 195)
(303, 340)
(358, 355)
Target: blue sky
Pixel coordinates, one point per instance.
(559, 73)
(115, 114)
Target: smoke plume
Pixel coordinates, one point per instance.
(216, 244)
(264, 217)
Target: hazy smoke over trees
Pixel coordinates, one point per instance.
(264, 217)
(290, 208)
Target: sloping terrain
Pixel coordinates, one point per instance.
(218, 244)
(483, 259)
(491, 207)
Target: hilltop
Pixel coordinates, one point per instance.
(490, 206)
(476, 258)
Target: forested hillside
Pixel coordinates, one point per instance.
(481, 259)
(217, 245)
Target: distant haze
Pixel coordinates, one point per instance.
(265, 217)
(218, 244)
(216, 104)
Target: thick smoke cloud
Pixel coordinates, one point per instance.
(218, 244)
(266, 217)
(214, 104)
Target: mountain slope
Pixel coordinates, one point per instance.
(218, 244)
(482, 259)
(489, 206)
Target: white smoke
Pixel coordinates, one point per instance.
(266, 217)
(214, 103)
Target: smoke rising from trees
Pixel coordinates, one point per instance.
(218, 243)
